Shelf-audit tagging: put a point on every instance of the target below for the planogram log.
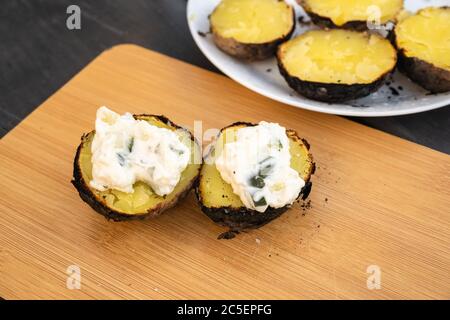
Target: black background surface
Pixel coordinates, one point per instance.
(38, 55)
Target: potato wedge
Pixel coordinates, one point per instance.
(336, 65)
(216, 197)
(251, 29)
(143, 202)
(423, 43)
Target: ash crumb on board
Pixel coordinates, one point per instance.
(203, 34)
(306, 205)
(258, 241)
(269, 70)
(230, 234)
(156, 289)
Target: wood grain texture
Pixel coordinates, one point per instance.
(387, 203)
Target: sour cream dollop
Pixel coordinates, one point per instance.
(257, 165)
(126, 150)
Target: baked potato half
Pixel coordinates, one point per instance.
(251, 29)
(217, 199)
(336, 65)
(423, 43)
(143, 202)
(350, 14)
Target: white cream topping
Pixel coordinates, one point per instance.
(126, 150)
(257, 165)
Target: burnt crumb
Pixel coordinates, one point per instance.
(394, 91)
(400, 88)
(326, 199)
(203, 34)
(318, 226)
(269, 70)
(388, 83)
(304, 22)
(228, 235)
(306, 205)
(270, 255)
(389, 97)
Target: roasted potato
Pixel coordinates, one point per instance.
(143, 202)
(217, 199)
(423, 43)
(251, 29)
(350, 14)
(336, 65)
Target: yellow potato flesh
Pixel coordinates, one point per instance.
(426, 36)
(338, 56)
(252, 21)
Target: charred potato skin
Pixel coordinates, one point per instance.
(249, 51)
(330, 92)
(427, 75)
(99, 205)
(238, 219)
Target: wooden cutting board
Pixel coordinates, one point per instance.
(376, 201)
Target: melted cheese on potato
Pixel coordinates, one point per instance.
(426, 36)
(338, 56)
(252, 21)
(342, 11)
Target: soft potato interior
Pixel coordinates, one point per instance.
(426, 35)
(338, 56)
(143, 198)
(343, 11)
(216, 193)
(252, 21)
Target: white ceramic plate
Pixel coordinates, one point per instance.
(264, 78)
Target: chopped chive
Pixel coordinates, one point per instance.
(261, 202)
(280, 145)
(257, 182)
(130, 145)
(180, 152)
(265, 171)
(121, 159)
(266, 168)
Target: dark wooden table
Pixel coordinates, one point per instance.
(38, 54)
